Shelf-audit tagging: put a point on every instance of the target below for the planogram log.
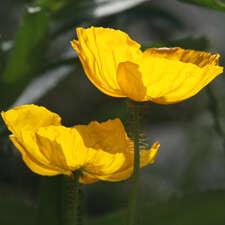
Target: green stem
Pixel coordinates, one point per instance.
(75, 197)
(134, 185)
(214, 107)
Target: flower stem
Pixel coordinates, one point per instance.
(76, 175)
(134, 185)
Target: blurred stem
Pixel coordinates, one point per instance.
(134, 185)
(215, 111)
(76, 175)
(214, 107)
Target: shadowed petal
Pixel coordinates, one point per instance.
(23, 122)
(87, 178)
(95, 148)
(146, 157)
(63, 147)
(110, 136)
(41, 167)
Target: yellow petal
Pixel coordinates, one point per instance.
(130, 81)
(110, 136)
(171, 81)
(116, 66)
(109, 142)
(44, 168)
(29, 118)
(176, 74)
(100, 51)
(97, 148)
(87, 178)
(100, 151)
(146, 157)
(63, 147)
(23, 122)
(149, 156)
(198, 58)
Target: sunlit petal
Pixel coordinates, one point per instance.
(116, 65)
(29, 117)
(146, 157)
(197, 58)
(100, 151)
(100, 51)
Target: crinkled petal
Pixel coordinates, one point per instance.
(170, 81)
(87, 178)
(29, 118)
(100, 151)
(97, 148)
(198, 58)
(44, 168)
(110, 136)
(100, 51)
(146, 157)
(109, 141)
(23, 122)
(63, 147)
(161, 75)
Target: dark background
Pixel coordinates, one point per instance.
(185, 185)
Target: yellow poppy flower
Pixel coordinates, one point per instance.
(116, 66)
(100, 151)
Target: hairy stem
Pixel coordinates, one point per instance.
(75, 197)
(134, 185)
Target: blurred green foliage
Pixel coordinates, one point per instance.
(212, 4)
(203, 208)
(27, 56)
(39, 50)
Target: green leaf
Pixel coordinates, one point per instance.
(27, 56)
(29, 46)
(198, 44)
(204, 208)
(212, 4)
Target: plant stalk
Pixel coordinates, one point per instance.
(134, 185)
(75, 197)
